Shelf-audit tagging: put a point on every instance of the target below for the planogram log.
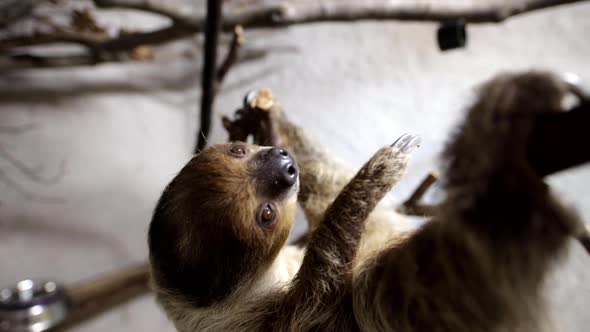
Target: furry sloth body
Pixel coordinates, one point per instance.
(477, 266)
(261, 300)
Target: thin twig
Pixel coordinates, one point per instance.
(232, 54)
(156, 37)
(30, 60)
(124, 42)
(209, 70)
(56, 37)
(413, 205)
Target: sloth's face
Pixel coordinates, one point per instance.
(226, 215)
(251, 188)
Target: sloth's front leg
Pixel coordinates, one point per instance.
(322, 287)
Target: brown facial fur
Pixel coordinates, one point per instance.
(204, 238)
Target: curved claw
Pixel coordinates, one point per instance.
(249, 98)
(407, 143)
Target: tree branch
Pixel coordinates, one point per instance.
(413, 205)
(82, 38)
(209, 70)
(29, 60)
(283, 13)
(147, 6)
(261, 14)
(288, 13)
(124, 42)
(232, 54)
(91, 298)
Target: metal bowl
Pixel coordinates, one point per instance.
(32, 306)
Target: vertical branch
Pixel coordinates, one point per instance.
(232, 55)
(212, 28)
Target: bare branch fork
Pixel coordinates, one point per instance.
(209, 75)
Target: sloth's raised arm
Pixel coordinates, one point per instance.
(333, 245)
(479, 265)
(322, 285)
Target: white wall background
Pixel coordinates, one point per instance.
(121, 131)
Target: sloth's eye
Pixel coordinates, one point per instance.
(238, 150)
(267, 216)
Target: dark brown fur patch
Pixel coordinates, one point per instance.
(204, 240)
(479, 265)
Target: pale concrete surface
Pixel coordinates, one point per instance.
(122, 132)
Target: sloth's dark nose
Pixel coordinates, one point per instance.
(286, 168)
(277, 171)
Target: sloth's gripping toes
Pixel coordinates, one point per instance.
(217, 238)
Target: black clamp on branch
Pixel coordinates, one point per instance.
(452, 34)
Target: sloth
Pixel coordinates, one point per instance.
(218, 237)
